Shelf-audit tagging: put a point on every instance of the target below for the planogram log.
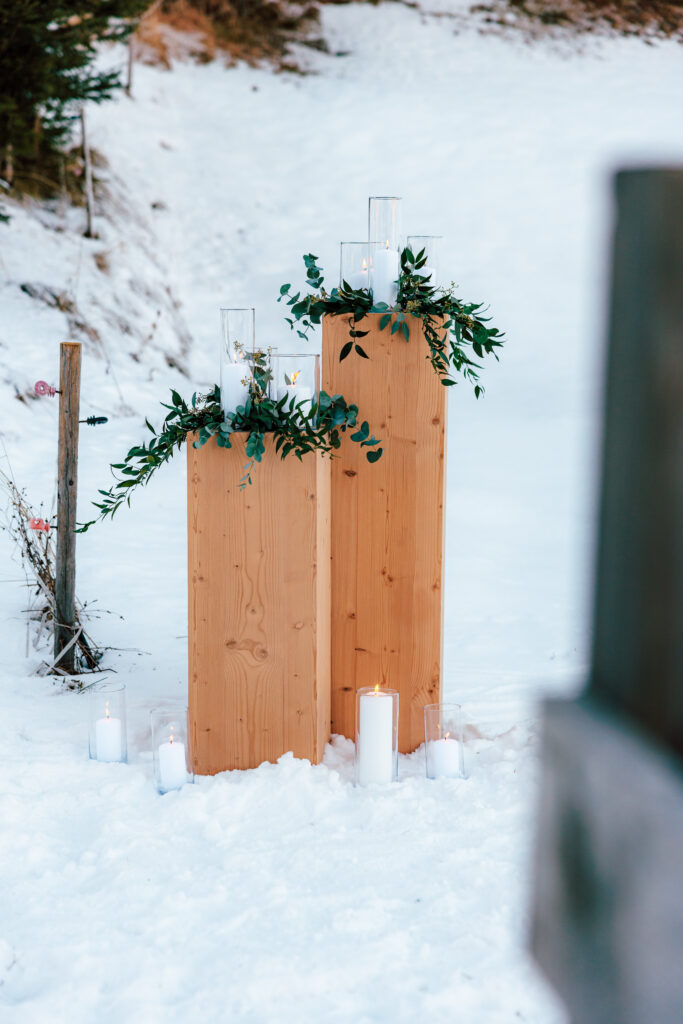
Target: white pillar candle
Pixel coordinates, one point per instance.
(376, 738)
(172, 767)
(444, 758)
(359, 279)
(299, 392)
(233, 391)
(384, 275)
(108, 738)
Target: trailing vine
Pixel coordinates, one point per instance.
(297, 427)
(454, 330)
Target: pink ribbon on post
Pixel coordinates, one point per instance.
(39, 524)
(41, 387)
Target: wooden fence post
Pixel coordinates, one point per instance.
(67, 479)
(89, 197)
(8, 169)
(131, 61)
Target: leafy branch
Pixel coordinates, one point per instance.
(297, 427)
(455, 331)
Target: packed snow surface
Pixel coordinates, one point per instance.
(285, 894)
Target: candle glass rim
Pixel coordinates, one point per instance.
(362, 690)
(237, 309)
(423, 236)
(443, 704)
(169, 709)
(106, 687)
(295, 355)
(384, 197)
(366, 242)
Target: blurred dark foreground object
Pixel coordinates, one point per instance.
(608, 902)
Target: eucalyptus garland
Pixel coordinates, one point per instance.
(298, 428)
(453, 329)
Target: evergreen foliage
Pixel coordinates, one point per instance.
(47, 55)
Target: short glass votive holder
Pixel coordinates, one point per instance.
(236, 353)
(107, 721)
(444, 750)
(171, 747)
(354, 266)
(295, 379)
(384, 221)
(426, 247)
(376, 759)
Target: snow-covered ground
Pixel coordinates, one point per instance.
(285, 894)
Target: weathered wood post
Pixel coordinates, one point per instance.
(608, 917)
(89, 196)
(131, 60)
(67, 479)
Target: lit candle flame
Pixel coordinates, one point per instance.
(106, 709)
(447, 735)
(170, 739)
(365, 264)
(294, 376)
(376, 687)
(386, 244)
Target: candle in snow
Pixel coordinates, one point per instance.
(359, 278)
(445, 758)
(385, 275)
(108, 737)
(234, 390)
(172, 767)
(290, 389)
(375, 738)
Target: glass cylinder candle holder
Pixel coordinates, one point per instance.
(428, 246)
(237, 345)
(354, 266)
(444, 750)
(384, 238)
(171, 747)
(296, 379)
(376, 758)
(107, 721)
(384, 220)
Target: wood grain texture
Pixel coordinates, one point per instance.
(259, 607)
(67, 488)
(387, 527)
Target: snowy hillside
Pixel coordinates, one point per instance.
(284, 894)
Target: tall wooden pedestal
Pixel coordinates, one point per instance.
(387, 526)
(259, 607)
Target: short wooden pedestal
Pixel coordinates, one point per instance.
(259, 607)
(387, 526)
